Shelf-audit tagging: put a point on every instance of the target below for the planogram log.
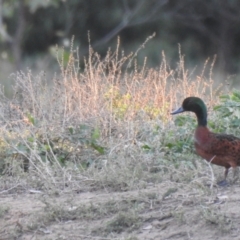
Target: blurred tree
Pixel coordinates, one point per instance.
(214, 24)
(203, 28)
(15, 14)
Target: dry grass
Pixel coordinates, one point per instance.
(103, 116)
(104, 128)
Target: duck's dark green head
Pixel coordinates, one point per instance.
(196, 105)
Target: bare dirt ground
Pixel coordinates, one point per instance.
(162, 211)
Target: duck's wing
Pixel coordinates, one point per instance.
(224, 145)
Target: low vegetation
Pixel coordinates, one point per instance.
(98, 147)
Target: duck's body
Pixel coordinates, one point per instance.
(219, 149)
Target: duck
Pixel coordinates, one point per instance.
(217, 148)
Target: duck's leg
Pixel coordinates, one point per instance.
(235, 174)
(226, 173)
(224, 182)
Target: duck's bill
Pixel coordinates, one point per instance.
(180, 110)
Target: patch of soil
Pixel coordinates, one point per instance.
(156, 212)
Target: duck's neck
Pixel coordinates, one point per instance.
(202, 121)
(201, 113)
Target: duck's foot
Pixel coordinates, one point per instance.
(223, 183)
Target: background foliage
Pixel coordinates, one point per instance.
(29, 28)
